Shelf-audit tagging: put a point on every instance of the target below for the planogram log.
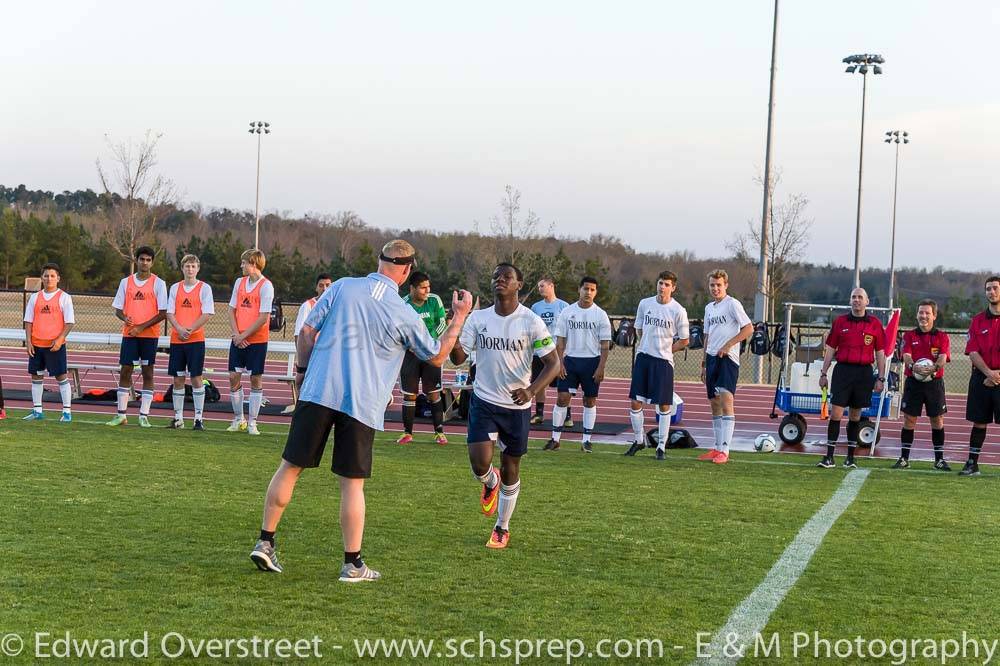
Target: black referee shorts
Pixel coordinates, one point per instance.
(929, 396)
(852, 385)
(416, 373)
(983, 402)
(352, 440)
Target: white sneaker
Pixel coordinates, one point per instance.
(237, 425)
(252, 428)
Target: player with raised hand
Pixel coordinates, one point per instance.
(506, 337)
(925, 351)
(662, 326)
(48, 318)
(141, 304)
(189, 306)
(583, 339)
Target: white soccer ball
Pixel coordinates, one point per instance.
(764, 443)
(924, 370)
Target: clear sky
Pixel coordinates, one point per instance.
(645, 120)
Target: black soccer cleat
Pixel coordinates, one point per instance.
(635, 448)
(826, 463)
(901, 463)
(587, 447)
(942, 466)
(660, 455)
(849, 463)
(551, 445)
(971, 469)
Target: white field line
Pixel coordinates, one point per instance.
(750, 617)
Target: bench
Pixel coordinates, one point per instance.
(115, 339)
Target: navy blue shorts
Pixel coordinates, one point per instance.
(46, 359)
(720, 373)
(248, 359)
(186, 359)
(489, 422)
(652, 380)
(580, 373)
(142, 350)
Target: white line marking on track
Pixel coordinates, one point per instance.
(729, 644)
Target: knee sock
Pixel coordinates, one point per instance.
(506, 503)
(539, 408)
(409, 413)
(589, 421)
(490, 479)
(662, 429)
(66, 393)
(437, 415)
(236, 400)
(256, 398)
(717, 432)
(728, 427)
(906, 439)
(853, 427)
(178, 396)
(637, 417)
(198, 395)
(832, 435)
(37, 387)
(558, 418)
(976, 439)
(146, 400)
(937, 438)
(122, 400)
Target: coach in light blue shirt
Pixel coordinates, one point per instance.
(350, 350)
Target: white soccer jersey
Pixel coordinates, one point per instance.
(660, 324)
(584, 329)
(723, 321)
(205, 296)
(504, 347)
(304, 310)
(65, 304)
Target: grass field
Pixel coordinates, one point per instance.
(112, 533)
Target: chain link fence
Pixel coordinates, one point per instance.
(94, 314)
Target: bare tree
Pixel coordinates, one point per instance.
(788, 242)
(137, 196)
(511, 231)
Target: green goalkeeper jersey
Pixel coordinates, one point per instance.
(432, 313)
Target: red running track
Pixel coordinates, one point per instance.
(753, 405)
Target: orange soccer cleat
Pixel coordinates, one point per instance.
(488, 502)
(709, 455)
(499, 538)
(722, 458)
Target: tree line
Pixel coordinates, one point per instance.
(71, 229)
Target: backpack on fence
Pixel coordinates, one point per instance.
(277, 320)
(759, 341)
(778, 345)
(696, 337)
(625, 335)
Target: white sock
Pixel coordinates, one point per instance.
(637, 417)
(256, 396)
(728, 428)
(123, 400)
(662, 428)
(146, 400)
(236, 399)
(558, 418)
(178, 403)
(37, 387)
(490, 480)
(199, 402)
(589, 421)
(717, 431)
(506, 503)
(66, 393)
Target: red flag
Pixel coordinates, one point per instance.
(891, 330)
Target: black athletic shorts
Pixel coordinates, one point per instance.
(918, 395)
(352, 440)
(537, 365)
(852, 385)
(416, 373)
(983, 403)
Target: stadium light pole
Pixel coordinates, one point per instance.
(862, 64)
(760, 298)
(259, 128)
(897, 137)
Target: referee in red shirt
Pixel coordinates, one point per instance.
(856, 340)
(982, 404)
